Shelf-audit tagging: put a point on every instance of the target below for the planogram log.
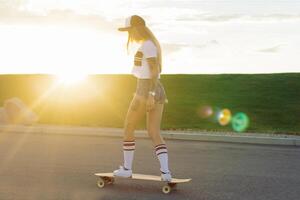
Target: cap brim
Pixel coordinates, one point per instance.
(124, 29)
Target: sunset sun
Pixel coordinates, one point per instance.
(69, 79)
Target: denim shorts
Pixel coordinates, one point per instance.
(143, 88)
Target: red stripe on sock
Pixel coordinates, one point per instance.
(160, 148)
(128, 144)
(160, 145)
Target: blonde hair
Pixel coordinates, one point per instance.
(144, 33)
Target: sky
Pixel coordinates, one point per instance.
(197, 36)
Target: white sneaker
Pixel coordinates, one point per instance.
(122, 172)
(166, 176)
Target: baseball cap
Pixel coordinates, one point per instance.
(133, 21)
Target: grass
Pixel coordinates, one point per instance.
(272, 101)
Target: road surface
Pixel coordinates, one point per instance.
(45, 166)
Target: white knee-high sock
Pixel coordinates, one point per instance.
(162, 155)
(128, 150)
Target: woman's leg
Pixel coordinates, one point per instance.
(153, 126)
(135, 112)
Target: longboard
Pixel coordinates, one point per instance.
(109, 178)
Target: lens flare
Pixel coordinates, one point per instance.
(205, 111)
(224, 117)
(240, 122)
(68, 79)
(217, 111)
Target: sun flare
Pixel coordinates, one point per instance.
(69, 79)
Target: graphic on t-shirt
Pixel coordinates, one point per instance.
(138, 58)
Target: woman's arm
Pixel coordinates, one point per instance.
(153, 64)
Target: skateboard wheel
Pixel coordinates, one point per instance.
(100, 183)
(166, 189)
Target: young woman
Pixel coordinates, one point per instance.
(149, 97)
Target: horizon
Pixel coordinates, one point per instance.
(211, 37)
(129, 74)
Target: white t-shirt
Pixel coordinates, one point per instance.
(141, 67)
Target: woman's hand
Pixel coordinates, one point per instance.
(150, 104)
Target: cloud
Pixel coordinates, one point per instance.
(8, 5)
(210, 17)
(156, 10)
(11, 9)
(56, 17)
(114, 12)
(16, 12)
(173, 47)
(275, 17)
(273, 49)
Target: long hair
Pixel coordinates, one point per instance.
(145, 33)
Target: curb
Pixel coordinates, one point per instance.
(175, 135)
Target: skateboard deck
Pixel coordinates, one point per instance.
(109, 178)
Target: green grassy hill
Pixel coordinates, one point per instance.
(271, 101)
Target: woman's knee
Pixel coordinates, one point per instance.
(154, 134)
(129, 127)
(153, 129)
(130, 121)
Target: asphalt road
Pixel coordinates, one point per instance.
(37, 166)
